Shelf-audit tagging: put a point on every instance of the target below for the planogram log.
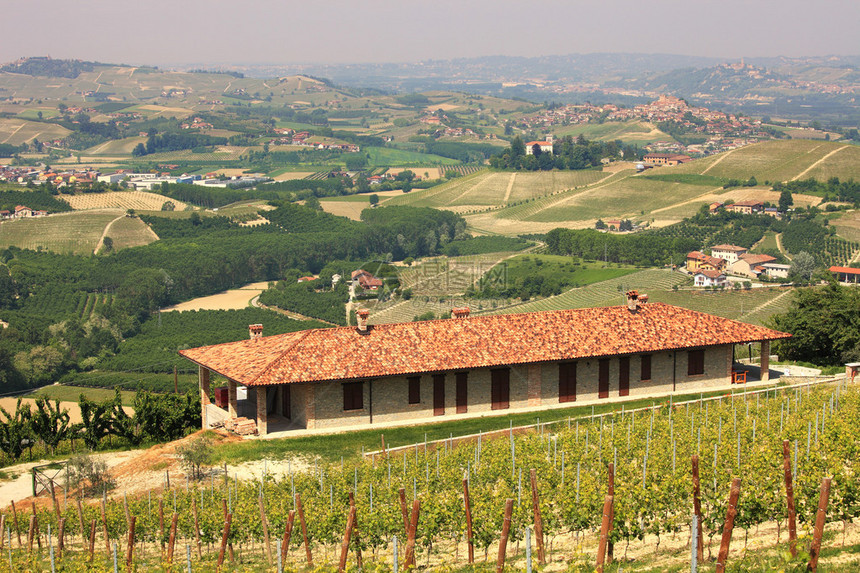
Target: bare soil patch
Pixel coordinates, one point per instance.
(228, 300)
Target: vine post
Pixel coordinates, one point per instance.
(288, 532)
(697, 511)
(265, 523)
(789, 496)
(224, 536)
(506, 530)
(604, 532)
(409, 558)
(129, 555)
(610, 490)
(537, 517)
(731, 512)
(468, 505)
(347, 534)
(820, 520)
(304, 525)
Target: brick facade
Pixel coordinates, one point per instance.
(533, 386)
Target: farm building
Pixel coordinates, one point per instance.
(470, 366)
(751, 266)
(708, 278)
(728, 253)
(846, 274)
(697, 260)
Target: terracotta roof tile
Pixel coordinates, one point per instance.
(477, 342)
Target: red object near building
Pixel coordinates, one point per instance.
(221, 397)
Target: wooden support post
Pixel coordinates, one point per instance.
(537, 517)
(229, 543)
(172, 541)
(196, 527)
(30, 533)
(506, 529)
(129, 556)
(17, 529)
(3, 532)
(81, 520)
(224, 536)
(697, 510)
(409, 558)
(358, 560)
(265, 523)
(344, 547)
(604, 532)
(105, 527)
(789, 497)
(288, 532)
(384, 450)
(732, 511)
(610, 490)
(402, 493)
(61, 534)
(92, 539)
(467, 503)
(304, 525)
(38, 535)
(820, 520)
(161, 523)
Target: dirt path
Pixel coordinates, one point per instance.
(719, 160)
(779, 246)
(105, 232)
(510, 187)
(817, 163)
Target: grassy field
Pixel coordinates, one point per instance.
(16, 131)
(76, 232)
(567, 270)
(848, 224)
(779, 161)
(116, 147)
(66, 393)
(138, 200)
(633, 131)
(129, 232)
(387, 157)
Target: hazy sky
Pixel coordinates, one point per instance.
(165, 32)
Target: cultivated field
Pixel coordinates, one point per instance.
(138, 200)
(848, 225)
(76, 232)
(228, 300)
(128, 232)
(640, 132)
(114, 147)
(15, 131)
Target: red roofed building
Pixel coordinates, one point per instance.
(544, 146)
(401, 373)
(846, 274)
(366, 280)
(697, 260)
(666, 158)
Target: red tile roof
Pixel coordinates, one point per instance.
(753, 260)
(467, 343)
(847, 270)
(731, 248)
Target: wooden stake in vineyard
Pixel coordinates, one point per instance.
(288, 532)
(129, 556)
(347, 534)
(172, 540)
(506, 529)
(30, 533)
(265, 523)
(92, 540)
(196, 527)
(409, 558)
(403, 509)
(17, 529)
(610, 490)
(358, 559)
(789, 496)
(732, 511)
(697, 510)
(224, 536)
(230, 553)
(537, 517)
(105, 527)
(301, 513)
(81, 519)
(61, 533)
(604, 532)
(468, 505)
(820, 519)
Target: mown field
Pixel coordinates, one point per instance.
(128, 232)
(16, 131)
(635, 131)
(75, 233)
(116, 147)
(138, 200)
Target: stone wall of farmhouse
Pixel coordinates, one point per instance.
(531, 386)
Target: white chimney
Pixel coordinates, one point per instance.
(255, 331)
(361, 315)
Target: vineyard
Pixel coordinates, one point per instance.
(138, 200)
(71, 233)
(300, 517)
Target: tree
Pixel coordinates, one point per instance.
(50, 423)
(600, 224)
(195, 455)
(15, 431)
(168, 206)
(785, 200)
(139, 150)
(107, 245)
(374, 200)
(803, 266)
(95, 421)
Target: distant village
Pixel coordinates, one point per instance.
(724, 131)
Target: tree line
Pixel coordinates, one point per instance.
(567, 153)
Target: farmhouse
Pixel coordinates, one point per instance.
(746, 207)
(666, 158)
(706, 278)
(751, 266)
(846, 274)
(401, 373)
(728, 253)
(366, 280)
(697, 260)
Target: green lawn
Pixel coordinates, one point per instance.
(568, 271)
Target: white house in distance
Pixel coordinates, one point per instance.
(706, 278)
(729, 253)
(776, 270)
(545, 146)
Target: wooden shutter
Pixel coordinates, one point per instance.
(567, 382)
(462, 392)
(646, 367)
(353, 396)
(414, 389)
(438, 394)
(603, 378)
(624, 376)
(286, 402)
(695, 362)
(500, 388)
